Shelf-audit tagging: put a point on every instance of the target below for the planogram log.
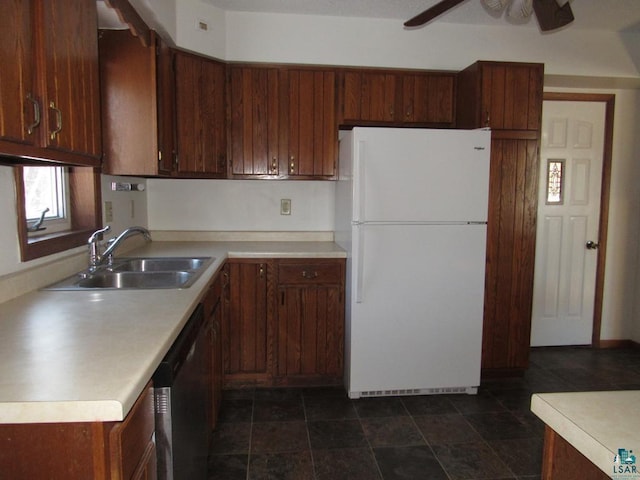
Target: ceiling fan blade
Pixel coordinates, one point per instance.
(551, 15)
(433, 12)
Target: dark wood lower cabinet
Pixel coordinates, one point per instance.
(285, 322)
(561, 461)
(310, 317)
(79, 451)
(247, 326)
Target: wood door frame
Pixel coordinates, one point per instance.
(609, 99)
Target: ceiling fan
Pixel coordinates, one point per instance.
(551, 14)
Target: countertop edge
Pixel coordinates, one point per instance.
(575, 435)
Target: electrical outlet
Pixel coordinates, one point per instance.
(285, 206)
(108, 212)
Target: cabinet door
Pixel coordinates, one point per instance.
(69, 76)
(20, 104)
(137, 130)
(254, 129)
(370, 96)
(310, 331)
(511, 235)
(311, 128)
(214, 307)
(200, 114)
(512, 96)
(165, 94)
(247, 335)
(428, 98)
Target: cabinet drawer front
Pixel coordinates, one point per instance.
(310, 273)
(130, 438)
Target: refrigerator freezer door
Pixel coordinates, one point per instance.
(404, 174)
(417, 324)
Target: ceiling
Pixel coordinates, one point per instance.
(612, 15)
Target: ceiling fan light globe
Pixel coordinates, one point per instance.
(495, 5)
(520, 10)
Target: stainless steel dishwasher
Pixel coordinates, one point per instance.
(181, 393)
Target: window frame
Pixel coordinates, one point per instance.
(84, 213)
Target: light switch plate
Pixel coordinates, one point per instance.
(285, 206)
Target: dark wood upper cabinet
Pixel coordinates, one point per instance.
(502, 96)
(396, 97)
(50, 95)
(200, 116)
(370, 96)
(254, 122)
(428, 98)
(311, 127)
(282, 122)
(137, 105)
(508, 98)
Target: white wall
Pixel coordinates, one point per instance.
(239, 205)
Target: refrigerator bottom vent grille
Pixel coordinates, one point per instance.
(418, 391)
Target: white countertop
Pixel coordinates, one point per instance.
(597, 424)
(73, 356)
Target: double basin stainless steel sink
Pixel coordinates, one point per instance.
(139, 273)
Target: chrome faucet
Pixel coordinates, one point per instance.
(96, 259)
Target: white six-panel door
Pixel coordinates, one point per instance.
(565, 267)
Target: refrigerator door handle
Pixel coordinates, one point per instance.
(358, 182)
(359, 262)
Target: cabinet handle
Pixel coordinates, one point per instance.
(261, 271)
(36, 114)
(54, 133)
(306, 274)
(292, 164)
(274, 165)
(487, 119)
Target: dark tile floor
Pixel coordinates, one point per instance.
(299, 434)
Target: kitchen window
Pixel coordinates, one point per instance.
(46, 199)
(71, 197)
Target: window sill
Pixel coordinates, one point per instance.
(49, 244)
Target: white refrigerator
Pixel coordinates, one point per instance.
(411, 212)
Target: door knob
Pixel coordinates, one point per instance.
(591, 245)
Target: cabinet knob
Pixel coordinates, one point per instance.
(54, 133)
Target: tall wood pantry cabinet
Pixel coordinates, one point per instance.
(49, 88)
(507, 97)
